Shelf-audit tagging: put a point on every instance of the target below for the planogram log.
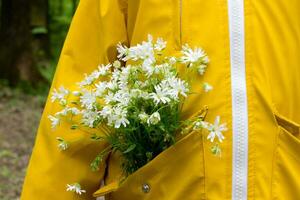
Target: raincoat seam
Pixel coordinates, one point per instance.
(203, 165)
(251, 104)
(275, 154)
(290, 154)
(225, 40)
(176, 15)
(101, 32)
(100, 24)
(282, 141)
(171, 24)
(134, 29)
(174, 33)
(276, 160)
(184, 28)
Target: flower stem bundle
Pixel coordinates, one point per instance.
(135, 103)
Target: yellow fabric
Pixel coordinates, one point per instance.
(163, 173)
(188, 170)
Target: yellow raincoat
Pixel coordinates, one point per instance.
(254, 48)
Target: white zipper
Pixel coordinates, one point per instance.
(239, 100)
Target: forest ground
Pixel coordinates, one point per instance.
(19, 118)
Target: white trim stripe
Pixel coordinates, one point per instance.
(239, 100)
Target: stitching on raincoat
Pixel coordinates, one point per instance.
(282, 130)
(249, 58)
(275, 154)
(276, 160)
(278, 145)
(171, 24)
(225, 40)
(203, 196)
(175, 25)
(291, 127)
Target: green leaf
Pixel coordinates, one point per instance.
(74, 102)
(39, 30)
(96, 162)
(130, 148)
(96, 137)
(60, 139)
(74, 126)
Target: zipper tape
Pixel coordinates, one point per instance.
(239, 100)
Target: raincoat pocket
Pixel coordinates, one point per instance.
(167, 176)
(286, 163)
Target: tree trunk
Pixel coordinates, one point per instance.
(40, 22)
(16, 56)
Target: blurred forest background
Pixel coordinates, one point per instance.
(32, 33)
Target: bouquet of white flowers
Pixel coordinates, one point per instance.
(136, 108)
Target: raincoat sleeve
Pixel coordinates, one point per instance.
(96, 28)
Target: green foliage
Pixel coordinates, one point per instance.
(96, 137)
(61, 13)
(138, 107)
(140, 143)
(47, 70)
(39, 30)
(99, 158)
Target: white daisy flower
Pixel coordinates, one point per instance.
(119, 117)
(88, 99)
(76, 93)
(123, 52)
(160, 69)
(192, 55)
(63, 112)
(109, 97)
(62, 145)
(205, 59)
(200, 124)
(143, 117)
(142, 51)
(106, 111)
(172, 60)
(100, 88)
(60, 94)
(150, 38)
(160, 44)
(66, 110)
(74, 111)
(207, 87)
(160, 95)
(88, 79)
(76, 187)
(94, 75)
(216, 129)
(112, 85)
(201, 69)
(154, 118)
(123, 97)
(54, 121)
(178, 86)
(124, 76)
(117, 64)
(115, 75)
(89, 117)
(148, 67)
(104, 70)
(135, 93)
